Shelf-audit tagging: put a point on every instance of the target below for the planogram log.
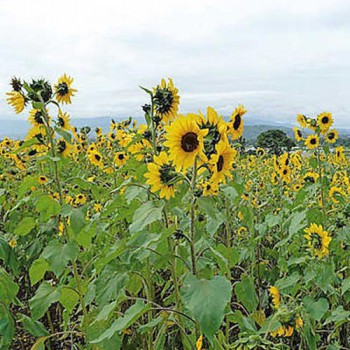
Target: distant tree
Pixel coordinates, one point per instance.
(274, 141)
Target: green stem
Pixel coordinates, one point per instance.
(192, 218)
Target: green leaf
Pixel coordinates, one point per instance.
(25, 226)
(206, 301)
(43, 298)
(246, 294)
(8, 288)
(77, 220)
(145, 215)
(315, 309)
(69, 298)
(105, 312)
(130, 316)
(47, 207)
(7, 328)
(58, 255)
(37, 270)
(66, 135)
(35, 328)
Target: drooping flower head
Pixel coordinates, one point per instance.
(236, 124)
(166, 100)
(318, 240)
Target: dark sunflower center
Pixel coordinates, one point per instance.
(97, 157)
(167, 174)
(237, 122)
(61, 122)
(163, 100)
(121, 156)
(313, 141)
(220, 163)
(331, 136)
(62, 89)
(309, 179)
(316, 240)
(189, 142)
(38, 117)
(325, 120)
(40, 137)
(299, 133)
(61, 146)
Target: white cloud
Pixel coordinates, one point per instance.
(277, 57)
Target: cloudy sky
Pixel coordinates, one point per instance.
(278, 58)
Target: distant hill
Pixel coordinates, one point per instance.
(18, 128)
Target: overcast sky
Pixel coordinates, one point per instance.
(279, 58)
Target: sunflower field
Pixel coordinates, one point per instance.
(166, 234)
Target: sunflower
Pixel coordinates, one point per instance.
(63, 148)
(16, 100)
(210, 188)
(42, 180)
(166, 100)
(318, 240)
(120, 158)
(185, 141)
(332, 136)
(63, 121)
(96, 158)
(63, 89)
(311, 177)
(37, 118)
(216, 129)
(260, 152)
(285, 173)
(276, 297)
(301, 119)
(161, 176)
(298, 135)
(241, 231)
(312, 141)
(199, 343)
(236, 124)
(325, 121)
(336, 194)
(80, 199)
(221, 162)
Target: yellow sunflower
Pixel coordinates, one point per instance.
(332, 136)
(236, 124)
(120, 158)
(161, 176)
(221, 162)
(95, 158)
(63, 148)
(336, 193)
(63, 121)
(42, 180)
(216, 129)
(298, 135)
(166, 100)
(301, 119)
(185, 139)
(325, 121)
(311, 177)
(312, 141)
(276, 297)
(37, 118)
(80, 199)
(210, 188)
(16, 100)
(63, 89)
(318, 240)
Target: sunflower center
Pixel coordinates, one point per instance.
(121, 156)
(61, 146)
(220, 163)
(189, 142)
(163, 100)
(97, 157)
(62, 89)
(316, 240)
(331, 136)
(61, 122)
(38, 117)
(167, 174)
(313, 141)
(325, 120)
(237, 122)
(309, 179)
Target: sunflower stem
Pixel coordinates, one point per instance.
(192, 221)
